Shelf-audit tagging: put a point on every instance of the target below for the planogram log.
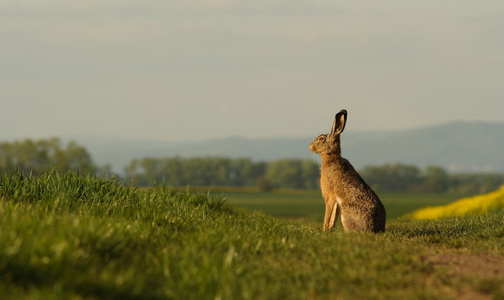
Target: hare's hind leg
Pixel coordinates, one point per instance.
(331, 215)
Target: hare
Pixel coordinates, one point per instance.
(343, 188)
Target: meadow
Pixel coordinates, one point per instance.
(309, 204)
(76, 237)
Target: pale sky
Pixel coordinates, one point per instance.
(194, 70)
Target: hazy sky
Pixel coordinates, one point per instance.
(182, 69)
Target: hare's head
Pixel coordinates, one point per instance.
(330, 143)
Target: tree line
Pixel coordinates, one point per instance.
(433, 179)
(220, 171)
(300, 174)
(34, 157)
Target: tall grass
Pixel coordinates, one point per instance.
(72, 236)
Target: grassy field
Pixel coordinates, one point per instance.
(74, 237)
(310, 204)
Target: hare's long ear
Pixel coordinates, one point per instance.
(339, 122)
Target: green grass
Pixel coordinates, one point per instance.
(75, 237)
(310, 204)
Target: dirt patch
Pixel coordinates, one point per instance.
(480, 275)
(477, 265)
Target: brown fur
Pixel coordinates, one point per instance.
(344, 190)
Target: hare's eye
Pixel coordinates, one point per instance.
(321, 138)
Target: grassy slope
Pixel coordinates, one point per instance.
(85, 238)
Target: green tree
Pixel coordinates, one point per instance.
(435, 180)
(311, 174)
(293, 173)
(34, 157)
(396, 178)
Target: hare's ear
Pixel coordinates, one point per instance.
(339, 122)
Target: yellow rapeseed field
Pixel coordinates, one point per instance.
(472, 205)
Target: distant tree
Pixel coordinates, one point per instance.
(132, 173)
(285, 173)
(396, 178)
(288, 173)
(474, 183)
(311, 174)
(197, 171)
(217, 171)
(264, 184)
(435, 180)
(29, 156)
(293, 173)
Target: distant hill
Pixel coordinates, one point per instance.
(458, 147)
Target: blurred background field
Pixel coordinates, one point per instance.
(309, 204)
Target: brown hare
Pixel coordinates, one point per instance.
(343, 189)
